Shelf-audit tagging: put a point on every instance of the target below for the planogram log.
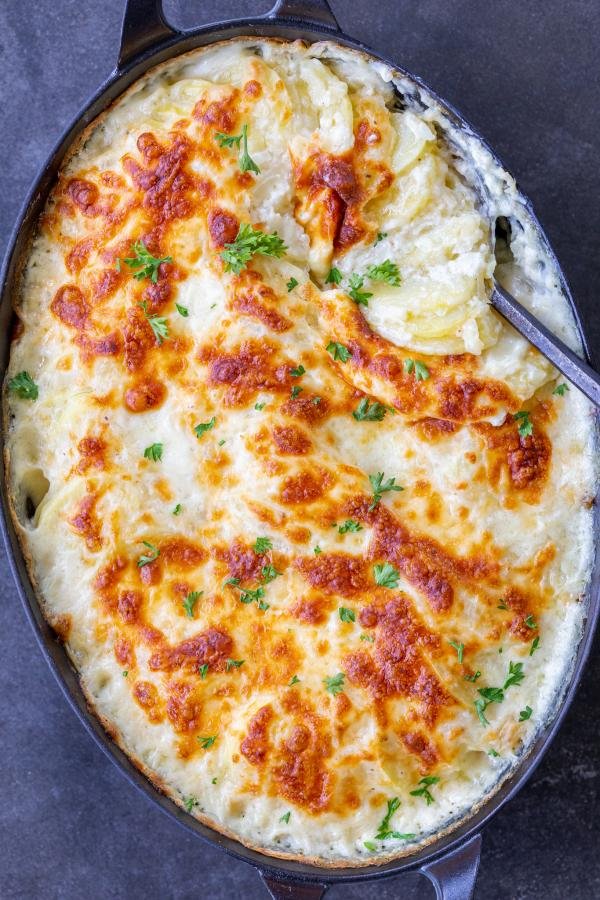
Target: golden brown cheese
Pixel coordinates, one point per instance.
(287, 610)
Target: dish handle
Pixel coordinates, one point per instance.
(145, 27)
(453, 876)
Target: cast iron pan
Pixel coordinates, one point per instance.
(451, 862)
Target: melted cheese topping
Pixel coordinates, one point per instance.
(285, 690)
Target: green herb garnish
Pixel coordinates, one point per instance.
(334, 684)
(250, 241)
(24, 386)
(147, 266)
(386, 575)
(154, 452)
(190, 602)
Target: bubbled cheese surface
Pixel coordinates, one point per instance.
(295, 697)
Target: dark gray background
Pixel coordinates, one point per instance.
(526, 75)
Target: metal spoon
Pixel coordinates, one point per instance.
(567, 362)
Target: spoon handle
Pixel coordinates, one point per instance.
(567, 362)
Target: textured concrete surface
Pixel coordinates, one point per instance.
(526, 75)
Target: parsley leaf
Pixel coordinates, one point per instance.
(525, 714)
(246, 162)
(334, 276)
(424, 791)
(158, 324)
(515, 674)
(349, 525)
(297, 371)
(317, 550)
(177, 509)
(534, 645)
(227, 140)
(203, 670)
(460, 649)
(294, 680)
(154, 452)
(381, 487)
(296, 391)
(203, 427)
(248, 242)
(383, 831)
(360, 297)
(338, 351)
(286, 817)
(182, 310)
(386, 271)
(190, 602)
(503, 604)
(420, 370)
(259, 406)
(473, 677)
(234, 664)
(367, 637)
(24, 386)
(386, 575)
(346, 615)
(291, 284)
(190, 803)
(366, 412)
(334, 684)
(380, 236)
(206, 742)
(262, 544)
(530, 622)
(561, 389)
(492, 752)
(146, 265)
(146, 558)
(269, 573)
(525, 423)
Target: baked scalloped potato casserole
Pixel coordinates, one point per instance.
(313, 522)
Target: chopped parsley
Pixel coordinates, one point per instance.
(370, 845)
(492, 752)
(291, 284)
(296, 391)
(259, 406)
(334, 684)
(460, 649)
(420, 370)
(125, 673)
(561, 389)
(297, 371)
(503, 604)
(190, 602)
(530, 622)
(177, 509)
(245, 161)
(525, 714)
(515, 674)
(203, 670)
(317, 550)
(147, 266)
(294, 680)
(380, 236)
(534, 645)
(349, 525)
(250, 241)
(146, 558)
(190, 803)
(386, 271)
(254, 596)
(234, 664)
(206, 742)
(154, 452)
(182, 310)
(384, 832)
(346, 615)
(367, 637)
(203, 427)
(338, 351)
(24, 386)
(360, 297)
(286, 817)
(158, 324)
(525, 423)
(369, 412)
(495, 694)
(424, 791)
(473, 677)
(386, 575)
(334, 276)
(262, 544)
(381, 487)
(269, 573)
